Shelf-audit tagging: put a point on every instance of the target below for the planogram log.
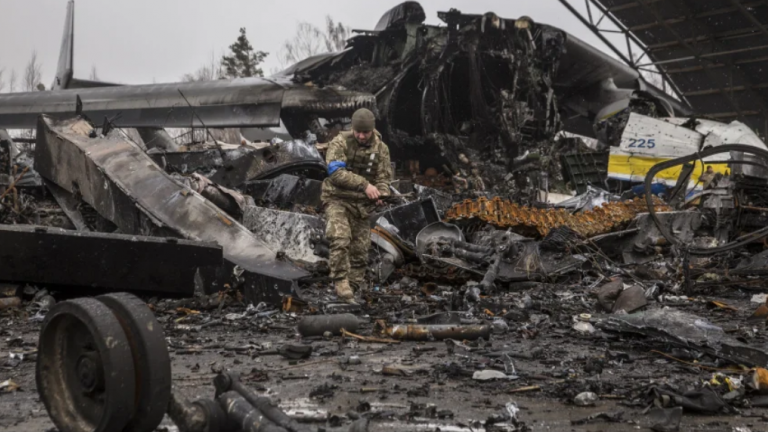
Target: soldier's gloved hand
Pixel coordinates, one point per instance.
(371, 192)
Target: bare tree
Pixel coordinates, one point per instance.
(94, 74)
(2, 81)
(310, 40)
(336, 35)
(12, 82)
(207, 72)
(33, 75)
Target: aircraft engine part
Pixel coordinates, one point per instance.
(434, 231)
(103, 365)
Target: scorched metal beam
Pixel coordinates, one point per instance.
(120, 262)
(126, 187)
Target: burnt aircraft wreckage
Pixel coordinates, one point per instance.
(517, 286)
(480, 88)
(482, 95)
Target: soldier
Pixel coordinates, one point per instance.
(359, 174)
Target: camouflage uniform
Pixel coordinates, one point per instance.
(352, 167)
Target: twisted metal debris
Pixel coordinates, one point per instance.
(538, 222)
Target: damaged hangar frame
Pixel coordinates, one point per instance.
(479, 91)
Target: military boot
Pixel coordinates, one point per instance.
(359, 287)
(344, 292)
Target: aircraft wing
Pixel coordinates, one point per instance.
(583, 65)
(252, 102)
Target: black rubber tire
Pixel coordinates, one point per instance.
(150, 357)
(71, 329)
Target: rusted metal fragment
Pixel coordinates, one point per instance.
(420, 332)
(112, 261)
(123, 184)
(532, 221)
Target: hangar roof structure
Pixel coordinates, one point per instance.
(713, 54)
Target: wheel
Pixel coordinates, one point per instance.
(84, 372)
(150, 358)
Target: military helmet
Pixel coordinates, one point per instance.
(363, 120)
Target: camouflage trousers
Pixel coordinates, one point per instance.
(349, 234)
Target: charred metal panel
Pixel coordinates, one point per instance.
(221, 103)
(111, 261)
(410, 218)
(286, 190)
(409, 12)
(68, 204)
(187, 162)
(123, 184)
(585, 169)
(233, 167)
(252, 164)
(292, 233)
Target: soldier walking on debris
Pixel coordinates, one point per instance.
(359, 174)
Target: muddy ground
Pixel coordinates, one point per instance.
(546, 352)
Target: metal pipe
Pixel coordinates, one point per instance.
(317, 325)
(491, 274)
(477, 257)
(471, 246)
(199, 416)
(421, 332)
(228, 382)
(244, 416)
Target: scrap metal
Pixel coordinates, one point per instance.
(77, 259)
(123, 184)
(290, 233)
(539, 222)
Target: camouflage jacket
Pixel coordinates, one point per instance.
(352, 167)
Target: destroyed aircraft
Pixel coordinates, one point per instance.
(527, 82)
(491, 295)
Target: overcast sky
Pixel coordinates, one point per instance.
(144, 41)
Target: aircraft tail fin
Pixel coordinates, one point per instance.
(65, 68)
